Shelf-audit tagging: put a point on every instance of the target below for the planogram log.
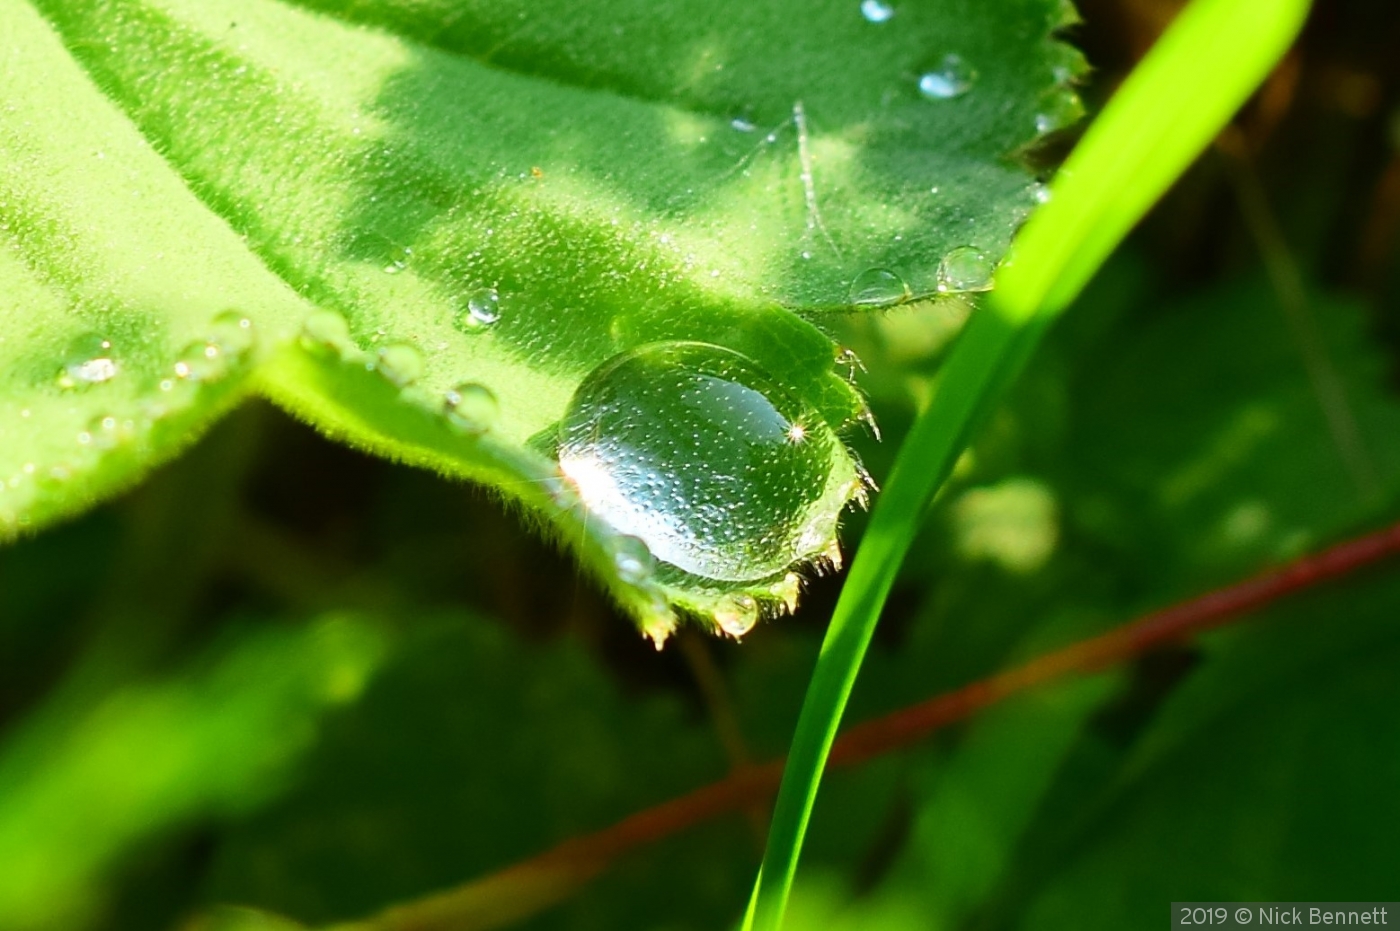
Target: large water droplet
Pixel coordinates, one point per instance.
(91, 361)
(400, 364)
(965, 268)
(736, 615)
(877, 287)
(482, 310)
(876, 11)
(471, 408)
(698, 453)
(952, 78)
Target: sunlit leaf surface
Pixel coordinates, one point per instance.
(421, 226)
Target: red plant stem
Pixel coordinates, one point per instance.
(579, 859)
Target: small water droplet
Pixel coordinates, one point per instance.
(736, 615)
(399, 262)
(1067, 63)
(471, 408)
(55, 476)
(106, 432)
(1058, 110)
(200, 361)
(876, 11)
(877, 287)
(659, 623)
(742, 125)
(1040, 193)
(326, 332)
(400, 364)
(787, 591)
(965, 268)
(91, 362)
(832, 556)
(230, 338)
(689, 447)
(952, 78)
(233, 333)
(633, 559)
(482, 311)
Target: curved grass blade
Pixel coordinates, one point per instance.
(1213, 56)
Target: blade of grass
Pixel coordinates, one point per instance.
(1178, 98)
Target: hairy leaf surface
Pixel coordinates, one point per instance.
(422, 225)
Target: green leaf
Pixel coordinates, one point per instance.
(421, 226)
(1267, 776)
(89, 776)
(473, 749)
(1230, 460)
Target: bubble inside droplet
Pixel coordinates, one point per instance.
(697, 452)
(470, 407)
(877, 287)
(965, 268)
(400, 364)
(876, 11)
(482, 310)
(91, 361)
(632, 559)
(952, 78)
(736, 615)
(326, 332)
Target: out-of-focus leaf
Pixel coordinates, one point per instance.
(1269, 776)
(1204, 425)
(471, 750)
(83, 781)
